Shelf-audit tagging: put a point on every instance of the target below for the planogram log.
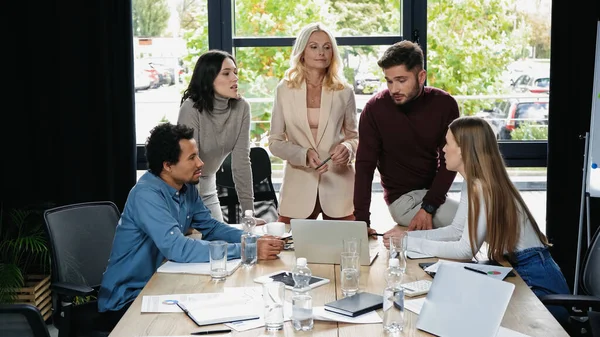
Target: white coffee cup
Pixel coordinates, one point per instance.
(274, 228)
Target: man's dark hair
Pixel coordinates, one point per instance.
(405, 53)
(201, 88)
(163, 145)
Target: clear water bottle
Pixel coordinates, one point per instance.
(249, 240)
(393, 298)
(302, 317)
(248, 221)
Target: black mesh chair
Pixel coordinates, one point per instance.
(81, 237)
(22, 320)
(265, 198)
(589, 300)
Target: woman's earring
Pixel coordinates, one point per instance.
(302, 59)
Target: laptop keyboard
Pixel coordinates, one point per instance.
(416, 288)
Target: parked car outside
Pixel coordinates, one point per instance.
(144, 78)
(508, 115)
(365, 84)
(532, 84)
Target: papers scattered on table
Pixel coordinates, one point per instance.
(256, 294)
(414, 255)
(414, 305)
(195, 268)
(497, 272)
(158, 304)
(504, 332)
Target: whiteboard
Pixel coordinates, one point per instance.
(593, 169)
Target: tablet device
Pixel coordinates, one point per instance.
(286, 278)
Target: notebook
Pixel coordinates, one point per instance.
(320, 241)
(195, 268)
(461, 303)
(356, 305)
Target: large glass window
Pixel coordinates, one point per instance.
(494, 58)
(167, 36)
(269, 18)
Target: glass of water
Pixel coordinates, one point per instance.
(274, 297)
(350, 273)
(218, 259)
(351, 245)
(398, 245)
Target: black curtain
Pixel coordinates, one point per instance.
(72, 126)
(573, 44)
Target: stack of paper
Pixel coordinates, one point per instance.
(196, 268)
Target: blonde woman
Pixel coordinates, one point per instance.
(491, 209)
(314, 118)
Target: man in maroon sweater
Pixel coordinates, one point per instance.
(402, 132)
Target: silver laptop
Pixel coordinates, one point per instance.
(463, 303)
(320, 241)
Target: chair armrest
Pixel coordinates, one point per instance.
(579, 301)
(70, 289)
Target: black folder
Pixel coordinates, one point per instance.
(356, 305)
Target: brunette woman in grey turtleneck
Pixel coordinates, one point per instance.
(221, 122)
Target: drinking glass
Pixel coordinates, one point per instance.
(218, 259)
(398, 244)
(350, 273)
(274, 298)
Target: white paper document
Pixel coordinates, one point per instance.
(497, 272)
(195, 268)
(414, 255)
(414, 305)
(160, 303)
(320, 314)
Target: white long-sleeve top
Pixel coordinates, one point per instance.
(452, 242)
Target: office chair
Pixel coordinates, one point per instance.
(594, 317)
(81, 237)
(579, 305)
(22, 320)
(265, 198)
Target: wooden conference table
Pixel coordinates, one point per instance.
(525, 313)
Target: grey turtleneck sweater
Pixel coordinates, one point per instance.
(218, 133)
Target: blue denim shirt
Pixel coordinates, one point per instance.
(151, 229)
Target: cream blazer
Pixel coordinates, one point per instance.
(290, 138)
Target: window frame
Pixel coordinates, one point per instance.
(414, 20)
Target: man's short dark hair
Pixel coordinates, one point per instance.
(406, 53)
(163, 145)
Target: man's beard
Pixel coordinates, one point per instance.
(414, 93)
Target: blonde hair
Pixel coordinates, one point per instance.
(484, 166)
(296, 74)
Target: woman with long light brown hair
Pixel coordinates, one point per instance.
(491, 209)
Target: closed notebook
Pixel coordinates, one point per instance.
(356, 304)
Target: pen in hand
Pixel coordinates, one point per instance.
(323, 163)
(475, 270)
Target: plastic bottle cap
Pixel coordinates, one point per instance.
(248, 212)
(394, 262)
(301, 261)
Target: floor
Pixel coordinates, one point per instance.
(382, 221)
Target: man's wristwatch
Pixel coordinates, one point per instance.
(428, 208)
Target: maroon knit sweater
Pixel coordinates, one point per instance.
(405, 143)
